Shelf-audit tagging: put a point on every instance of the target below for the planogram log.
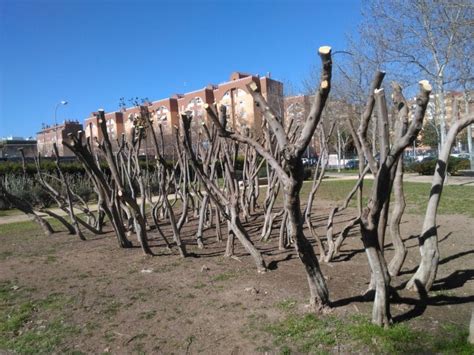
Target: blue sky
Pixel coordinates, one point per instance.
(92, 53)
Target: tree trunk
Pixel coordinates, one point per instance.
(202, 217)
(24, 207)
(428, 240)
(317, 284)
(283, 241)
(244, 239)
(381, 278)
(395, 219)
(61, 220)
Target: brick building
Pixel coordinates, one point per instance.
(241, 110)
(114, 122)
(165, 113)
(296, 108)
(56, 133)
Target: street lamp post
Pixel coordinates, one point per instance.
(63, 103)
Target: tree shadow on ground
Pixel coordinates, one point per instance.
(273, 265)
(441, 262)
(456, 280)
(455, 256)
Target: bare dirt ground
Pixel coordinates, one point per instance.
(120, 301)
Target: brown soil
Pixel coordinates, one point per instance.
(126, 302)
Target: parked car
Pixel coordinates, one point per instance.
(309, 161)
(352, 164)
(461, 155)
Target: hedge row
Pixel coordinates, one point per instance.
(48, 166)
(428, 167)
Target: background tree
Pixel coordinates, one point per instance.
(429, 135)
(421, 38)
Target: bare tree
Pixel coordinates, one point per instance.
(107, 194)
(421, 37)
(227, 199)
(290, 172)
(401, 126)
(425, 275)
(371, 221)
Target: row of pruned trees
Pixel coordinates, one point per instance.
(203, 185)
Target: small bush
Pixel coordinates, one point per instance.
(28, 189)
(428, 167)
(82, 186)
(424, 167)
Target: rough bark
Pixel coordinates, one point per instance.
(370, 217)
(106, 194)
(123, 194)
(426, 273)
(396, 263)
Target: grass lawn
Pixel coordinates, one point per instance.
(23, 328)
(7, 213)
(454, 199)
(309, 333)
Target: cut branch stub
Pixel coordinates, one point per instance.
(325, 54)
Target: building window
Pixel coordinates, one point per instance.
(161, 113)
(241, 93)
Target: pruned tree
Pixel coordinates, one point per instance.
(401, 106)
(318, 176)
(371, 221)
(290, 172)
(107, 194)
(227, 198)
(426, 273)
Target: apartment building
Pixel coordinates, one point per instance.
(242, 111)
(56, 134)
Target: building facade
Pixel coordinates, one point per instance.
(242, 112)
(10, 148)
(56, 134)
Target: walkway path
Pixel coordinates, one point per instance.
(411, 177)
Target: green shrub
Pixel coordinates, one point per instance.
(428, 167)
(82, 186)
(28, 189)
(424, 167)
(47, 166)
